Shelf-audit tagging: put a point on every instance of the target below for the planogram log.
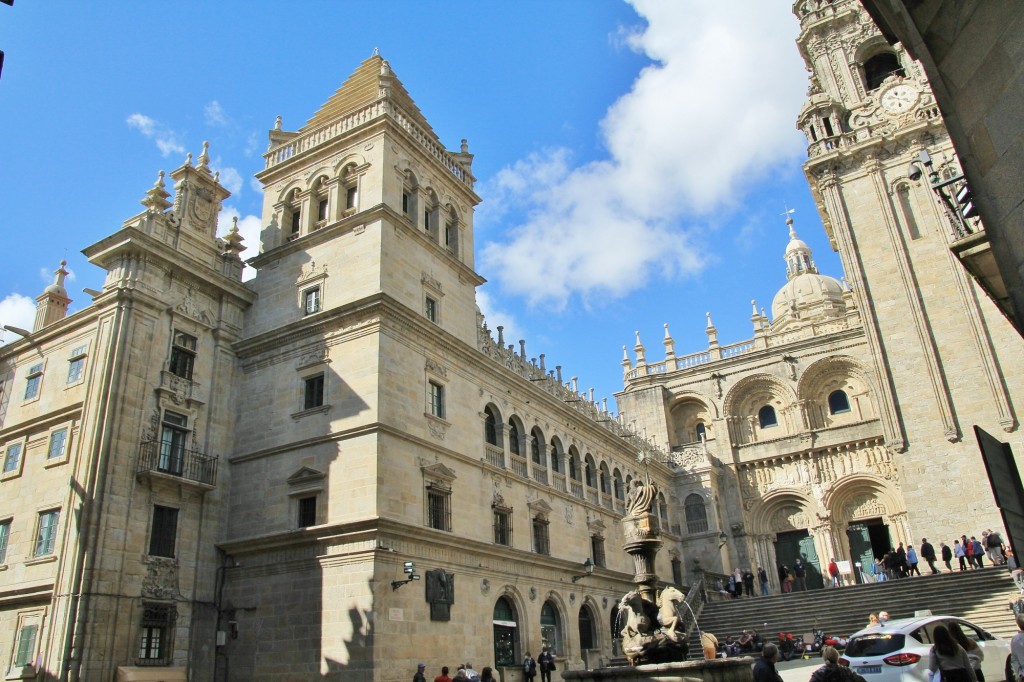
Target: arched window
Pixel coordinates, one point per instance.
(536, 447)
(574, 466)
(513, 437)
(696, 514)
(555, 457)
(451, 232)
(589, 475)
(586, 626)
(880, 67)
(620, 492)
(662, 508)
(838, 402)
(701, 431)
(550, 629)
(605, 480)
(766, 417)
(490, 426)
(505, 627)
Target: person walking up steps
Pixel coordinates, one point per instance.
(912, 560)
(960, 552)
(800, 576)
(947, 556)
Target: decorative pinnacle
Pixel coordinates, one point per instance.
(753, 307)
(710, 324)
(667, 335)
(204, 158)
(155, 200)
(188, 159)
(277, 123)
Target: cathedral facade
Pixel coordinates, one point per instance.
(845, 425)
(338, 470)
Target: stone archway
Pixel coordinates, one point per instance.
(868, 517)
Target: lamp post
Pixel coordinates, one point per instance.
(409, 568)
(957, 200)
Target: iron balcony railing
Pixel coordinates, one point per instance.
(171, 459)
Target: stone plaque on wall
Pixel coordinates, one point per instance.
(440, 593)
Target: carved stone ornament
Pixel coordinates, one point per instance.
(533, 594)
(202, 206)
(435, 367)
(437, 429)
(161, 580)
(485, 586)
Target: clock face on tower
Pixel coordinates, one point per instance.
(899, 98)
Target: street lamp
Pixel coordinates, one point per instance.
(958, 200)
(588, 568)
(409, 568)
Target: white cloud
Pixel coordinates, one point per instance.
(230, 178)
(713, 114)
(166, 139)
(249, 227)
(17, 311)
(256, 186)
(252, 144)
(213, 114)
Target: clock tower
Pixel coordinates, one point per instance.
(946, 359)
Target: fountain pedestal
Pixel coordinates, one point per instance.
(738, 669)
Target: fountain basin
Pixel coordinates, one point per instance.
(738, 669)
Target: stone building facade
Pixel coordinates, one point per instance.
(845, 426)
(227, 480)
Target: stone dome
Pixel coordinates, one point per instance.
(809, 294)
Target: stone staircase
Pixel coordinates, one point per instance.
(980, 596)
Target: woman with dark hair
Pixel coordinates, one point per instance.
(487, 675)
(975, 654)
(949, 657)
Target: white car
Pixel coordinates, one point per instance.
(897, 651)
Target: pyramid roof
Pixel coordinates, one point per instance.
(363, 88)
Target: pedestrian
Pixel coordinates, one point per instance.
(800, 576)
(748, 582)
(979, 552)
(1017, 652)
(785, 579)
(732, 586)
(419, 676)
(762, 578)
(949, 657)
(546, 662)
(891, 564)
(969, 551)
(994, 544)
(960, 552)
(460, 673)
(471, 674)
(928, 554)
(831, 671)
(764, 668)
(975, 654)
(487, 675)
(443, 677)
(901, 561)
(529, 667)
(737, 575)
(872, 620)
(833, 572)
(879, 570)
(883, 617)
(947, 556)
(912, 560)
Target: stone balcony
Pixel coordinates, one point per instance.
(805, 441)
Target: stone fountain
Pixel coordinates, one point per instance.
(651, 624)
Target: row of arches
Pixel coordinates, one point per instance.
(441, 222)
(512, 636)
(831, 392)
(532, 455)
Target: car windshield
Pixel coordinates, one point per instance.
(875, 644)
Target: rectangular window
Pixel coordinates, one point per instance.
(426, 220)
(430, 309)
(76, 363)
(405, 203)
(437, 400)
(541, 543)
(165, 531)
(12, 459)
(311, 300)
(502, 527)
(25, 647)
(597, 550)
(58, 443)
(5, 535)
(307, 511)
(157, 623)
(35, 378)
(183, 355)
(321, 210)
(173, 436)
(350, 197)
(439, 510)
(314, 392)
(296, 223)
(46, 535)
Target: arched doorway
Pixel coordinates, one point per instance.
(550, 628)
(506, 637)
(793, 542)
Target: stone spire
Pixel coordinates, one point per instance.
(156, 198)
(52, 304)
(798, 255)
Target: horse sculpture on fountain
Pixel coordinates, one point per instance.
(653, 633)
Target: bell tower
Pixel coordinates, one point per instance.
(943, 352)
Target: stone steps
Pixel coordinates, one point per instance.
(980, 596)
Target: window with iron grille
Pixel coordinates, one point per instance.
(597, 550)
(155, 640)
(307, 511)
(502, 526)
(541, 540)
(165, 531)
(183, 355)
(439, 514)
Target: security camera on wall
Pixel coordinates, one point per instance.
(914, 171)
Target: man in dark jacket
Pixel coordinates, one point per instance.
(928, 554)
(764, 669)
(546, 661)
(529, 667)
(419, 677)
(800, 575)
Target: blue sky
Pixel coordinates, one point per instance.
(634, 158)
